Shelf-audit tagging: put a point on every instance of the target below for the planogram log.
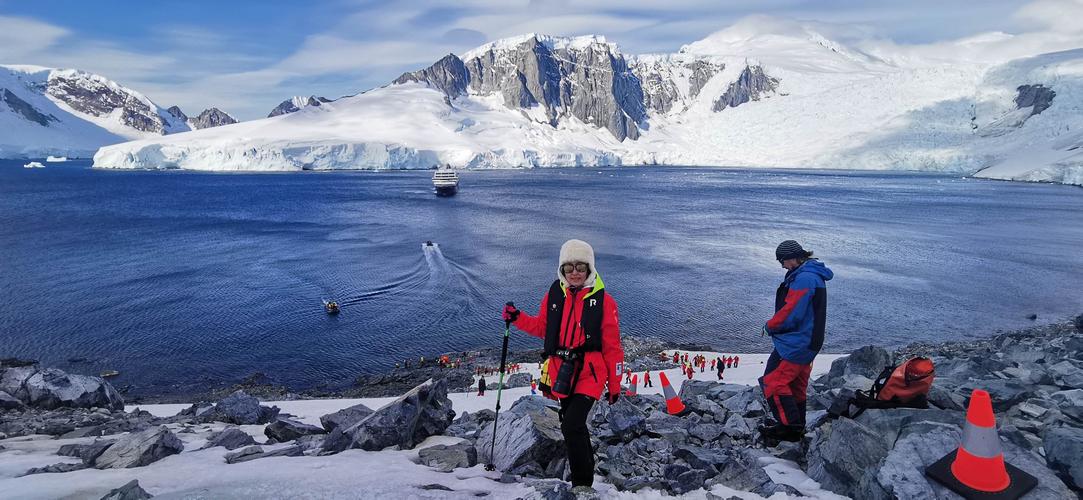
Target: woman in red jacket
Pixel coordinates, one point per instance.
(579, 323)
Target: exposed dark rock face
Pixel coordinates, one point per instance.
(448, 75)
(88, 453)
(256, 452)
(96, 96)
(212, 117)
(531, 438)
(702, 72)
(446, 458)
(25, 109)
(177, 113)
(1037, 96)
(292, 105)
(750, 86)
(400, 381)
(592, 83)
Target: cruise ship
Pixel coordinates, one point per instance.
(445, 181)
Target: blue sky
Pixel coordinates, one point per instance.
(247, 56)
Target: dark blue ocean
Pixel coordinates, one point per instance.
(180, 279)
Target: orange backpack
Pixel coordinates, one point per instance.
(903, 386)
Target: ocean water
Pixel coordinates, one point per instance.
(184, 279)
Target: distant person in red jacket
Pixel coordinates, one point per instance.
(736, 361)
(579, 322)
(647, 379)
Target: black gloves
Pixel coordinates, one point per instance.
(510, 313)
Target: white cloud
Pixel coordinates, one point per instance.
(1062, 16)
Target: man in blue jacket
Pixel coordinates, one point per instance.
(797, 332)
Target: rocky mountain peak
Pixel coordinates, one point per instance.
(750, 86)
(212, 117)
(296, 103)
(177, 113)
(97, 96)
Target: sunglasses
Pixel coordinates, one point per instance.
(580, 267)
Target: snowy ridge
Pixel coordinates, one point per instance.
(763, 92)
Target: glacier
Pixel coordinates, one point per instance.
(760, 93)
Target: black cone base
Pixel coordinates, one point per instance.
(1020, 484)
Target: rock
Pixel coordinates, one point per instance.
(424, 411)
(743, 471)
(130, 491)
(53, 388)
(689, 481)
(8, 402)
(231, 438)
(516, 380)
(237, 408)
(745, 403)
(87, 452)
(237, 456)
(255, 452)
(702, 458)
(1067, 375)
(446, 458)
(626, 420)
(139, 449)
(345, 418)
(750, 86)
(841, 453)
(56, 468)
(284, 430)
(468, 424)
(736, 427)
(528, 436)
(551, 489)
(862, 365)
(1064, 453)
(1004, 393)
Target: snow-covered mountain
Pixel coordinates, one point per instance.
(296, 103)
(67, 112)
(760, 93)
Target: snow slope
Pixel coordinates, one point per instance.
(856, 105)
(37, 122)
(199, 473)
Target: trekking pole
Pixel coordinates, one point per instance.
(503, 359)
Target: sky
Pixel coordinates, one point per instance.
(246, 56)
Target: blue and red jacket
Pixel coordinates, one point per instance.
(797, 328)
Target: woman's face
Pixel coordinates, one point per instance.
(575, 273)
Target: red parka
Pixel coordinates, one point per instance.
(601, 369)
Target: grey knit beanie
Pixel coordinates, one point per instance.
(790, 249)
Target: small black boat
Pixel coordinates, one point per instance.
(331, 306)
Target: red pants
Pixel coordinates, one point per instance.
(785, 386)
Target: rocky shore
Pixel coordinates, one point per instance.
(1035, 378)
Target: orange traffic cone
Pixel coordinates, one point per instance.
(632, 389)
(977, 469)
(674, 406)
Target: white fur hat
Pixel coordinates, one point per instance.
(577, 251)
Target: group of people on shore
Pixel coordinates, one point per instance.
(584, 361)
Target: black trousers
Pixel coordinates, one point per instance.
(573, 424)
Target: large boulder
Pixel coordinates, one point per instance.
(528, 438)
(53, 388)
(446, 458)
(1067, 375)
(237, 408)
(256, 452)
(424, 411)
(87, 452)
(841, 453)
(856, 371)
(345, 418)
(230, 438)
(284, 429)
(9, 402)
(1064, 453)
(139, 449)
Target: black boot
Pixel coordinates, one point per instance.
(772, 434)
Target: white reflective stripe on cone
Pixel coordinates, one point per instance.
(981, 441)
